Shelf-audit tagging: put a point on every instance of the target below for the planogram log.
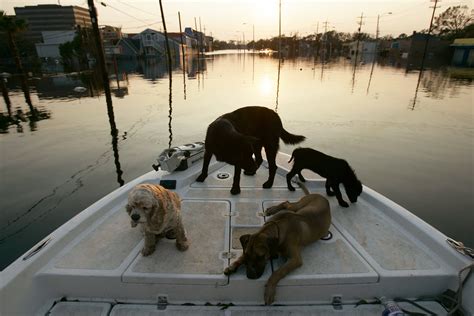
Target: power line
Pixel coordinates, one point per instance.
(136, 8)
(123, 12)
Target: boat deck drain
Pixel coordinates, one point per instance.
(327, 237)
(223, 175)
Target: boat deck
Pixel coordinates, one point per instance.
(377, 249)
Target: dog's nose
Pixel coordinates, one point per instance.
(135, 217)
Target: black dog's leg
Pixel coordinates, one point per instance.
(335, 186)
(205, 166)
(272, 167)
(290, 176)
(236, 183)
(329, 192)
(302, 179)
(258, 154)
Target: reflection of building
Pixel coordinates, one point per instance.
(52, 17)
(463, 52)
(51, 41)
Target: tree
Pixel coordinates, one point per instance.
(453, 21)
(11, 26)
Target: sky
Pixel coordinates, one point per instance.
(236, 19)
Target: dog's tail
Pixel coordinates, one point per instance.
(303, 187)
(291, 139)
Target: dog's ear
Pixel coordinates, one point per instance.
(244, 239)
(273, 247)
(128, 208)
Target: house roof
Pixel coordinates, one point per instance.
(463, 42)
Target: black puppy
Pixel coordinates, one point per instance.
(335, 171)
(236, 136)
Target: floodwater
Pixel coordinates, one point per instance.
(59, 156)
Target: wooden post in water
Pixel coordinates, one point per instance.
(183, 53)
(102, 67)
(166, 40)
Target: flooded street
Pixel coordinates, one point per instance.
(59, 157)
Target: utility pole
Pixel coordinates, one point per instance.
(358, 35)
(324, 38)
(166, 40)
(102, 67)
(424, 52)
(279, 31)
(201, 36)
(429, 33)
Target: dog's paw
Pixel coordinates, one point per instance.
(235, 191)
(201, 177)
(183, 245)
(269, 295)
(291, 188)
(343, 204)
(229, 270)
(146, 251)
(267, 185)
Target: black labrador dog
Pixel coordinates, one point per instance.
(236, 136)
(335, 171)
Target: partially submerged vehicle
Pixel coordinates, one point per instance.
(92, 264)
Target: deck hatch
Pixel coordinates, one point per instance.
(202, 263)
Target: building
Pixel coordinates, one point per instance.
(110, 34)
(152, 44)
(51, 41)
(463, 52)
(127, 48)
(51, 17)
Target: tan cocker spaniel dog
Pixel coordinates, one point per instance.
(158, 211)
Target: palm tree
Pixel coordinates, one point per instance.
(11, 26)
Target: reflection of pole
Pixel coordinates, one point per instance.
(370, 77)
(118, 168)
(416, 91)
(103, 69)
(170, 112)
(278, 85)
(182, 52)
(116, 72)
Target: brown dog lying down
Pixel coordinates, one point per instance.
(335, 170)
(158, 212)
(236, 136)
(293, 226)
